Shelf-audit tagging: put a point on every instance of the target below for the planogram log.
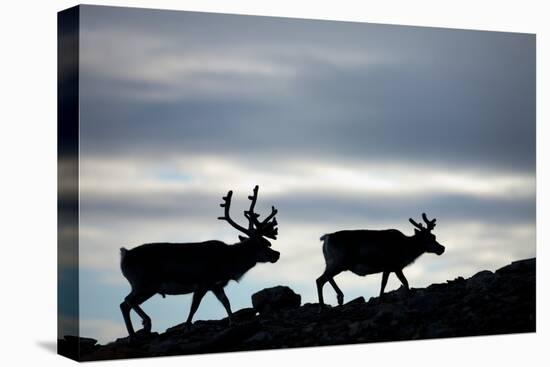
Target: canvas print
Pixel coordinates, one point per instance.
(236, 183)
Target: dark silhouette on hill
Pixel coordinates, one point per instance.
(180, 268)
(487, 303)
(368, 252)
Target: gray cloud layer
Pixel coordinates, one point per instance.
(200, 83)
(309, 208)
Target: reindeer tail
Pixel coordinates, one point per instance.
(123, 252)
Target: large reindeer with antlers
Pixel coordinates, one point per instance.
(368, 252)
(180, 268)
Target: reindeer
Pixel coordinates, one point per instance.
(181, 268)
(369, 251)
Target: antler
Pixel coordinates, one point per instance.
(267, 227)
(417, 225)
(429, 223)
(226, 205)
(250, 214)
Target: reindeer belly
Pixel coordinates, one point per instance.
(174, 288)
(362, 269)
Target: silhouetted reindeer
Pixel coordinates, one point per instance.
(180, 268)
(368, 252)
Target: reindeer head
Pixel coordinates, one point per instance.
(425, 236)
(256, 231)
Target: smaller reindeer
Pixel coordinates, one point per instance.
(369, 251)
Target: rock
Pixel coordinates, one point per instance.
(355, 302)
(244, 314)
(309, 328)
(424, 303)
(518, 266)
(274, 299)
(482, 280)
(458, 280)
(259, 337)
(373, 300)
(437, 286)
(436, 330)
(387, 312)
(233, 335)
(140, 338)
(354, 328)
(482, 275)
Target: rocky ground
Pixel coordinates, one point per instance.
(487, 303)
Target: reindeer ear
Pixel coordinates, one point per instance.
(416, 232)
(242, 238)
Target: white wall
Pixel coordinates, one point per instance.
(28, 186)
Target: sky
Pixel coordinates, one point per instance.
(342, 125)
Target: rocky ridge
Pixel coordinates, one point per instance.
(487, 303)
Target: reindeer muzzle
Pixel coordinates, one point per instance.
(275, 257)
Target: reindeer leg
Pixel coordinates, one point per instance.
(221, 296)
(146, 320)
(339, 294)
(132, 301)
(197, 297)
(402, 278)
(320, 283)
(125, 309)
(385, 276)
(327, 276)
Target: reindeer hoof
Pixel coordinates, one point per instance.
(404, 290)
(146, 327)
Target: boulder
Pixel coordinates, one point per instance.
(519, 266)
(356, 302)
(274, 299)
(482, 275)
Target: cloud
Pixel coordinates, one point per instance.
(213, 174)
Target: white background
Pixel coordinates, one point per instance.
(28, 181)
